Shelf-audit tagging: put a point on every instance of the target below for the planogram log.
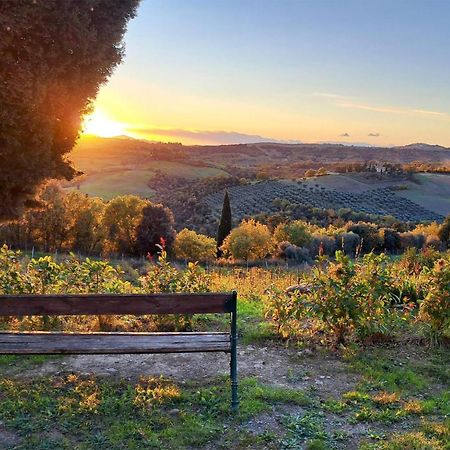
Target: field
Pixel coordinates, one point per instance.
(429, 190)
(116, 181)
(265, 196)
(121, 166)
(113, 167)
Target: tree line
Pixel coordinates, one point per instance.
(131, 226)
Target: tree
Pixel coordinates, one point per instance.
(194, 247)
(48, 223)
(444, 232)
(84, 218)
(225, 224)
(55, 55)
(155, 227)
(120, 220)
(296, 232)
(250, 240)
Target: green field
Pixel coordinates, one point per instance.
(134, 180)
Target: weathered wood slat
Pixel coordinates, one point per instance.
(111, 343)
(106, 304)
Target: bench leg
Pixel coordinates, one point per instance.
(233, 362)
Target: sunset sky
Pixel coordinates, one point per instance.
(226, 71)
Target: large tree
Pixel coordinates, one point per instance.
(54, 56)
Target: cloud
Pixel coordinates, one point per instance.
(392, 110)
(344, 135)
(374, 135)
(331, 96)
(205, 137)
(345, 101)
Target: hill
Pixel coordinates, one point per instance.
(118, 166)
(180, 175)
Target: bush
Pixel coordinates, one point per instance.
(250, 240)
(444, 232)
(368, 233)
(322, 244)
(391, 240)
(348, 300)
(435, 308)
(194, 247)
(296, 232)
(348, 243)
(411, 240)
(288, 251)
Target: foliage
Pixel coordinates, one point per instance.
(346, 299)
(55, 56)
(368, 233)
(444, 232)
(162, 276)
(120, 220)
(156, 224)
(296, 232)
(435, 307)
(192, 246)
(250, 240)
(225, 224)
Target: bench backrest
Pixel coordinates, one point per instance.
(108, 304)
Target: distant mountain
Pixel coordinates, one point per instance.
(423, 147)
(97, 154)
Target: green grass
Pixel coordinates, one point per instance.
(403, 398)
(120, 180)
(85, 412)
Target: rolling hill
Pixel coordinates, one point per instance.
(122, 165)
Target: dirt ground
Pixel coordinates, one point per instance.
(272, 365)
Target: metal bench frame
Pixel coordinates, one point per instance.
(38, 342)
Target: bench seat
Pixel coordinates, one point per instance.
(51, 343)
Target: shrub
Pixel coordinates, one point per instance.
(322, 244)
(296, 232)
(435, 308)
(411, 240)
(433, 242)
(444, 232)
(391, 240)
(194, 247)
(348, 243)
(288, 251)
(250, 240)
(368, 233)
(349, 299)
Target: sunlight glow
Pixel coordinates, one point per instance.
(100, 124)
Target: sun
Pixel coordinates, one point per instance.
(101, 125)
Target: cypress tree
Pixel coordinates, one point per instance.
(225, 223)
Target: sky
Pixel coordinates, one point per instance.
(227, 71)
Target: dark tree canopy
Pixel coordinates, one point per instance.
(54, 56)
(225, 224)
(444, 232)
(157, 224)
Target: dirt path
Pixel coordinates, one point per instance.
(274, 365)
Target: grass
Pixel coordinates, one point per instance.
(403, 405)
(85, 412)
(133, 179)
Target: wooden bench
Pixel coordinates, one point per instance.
(37, 342)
